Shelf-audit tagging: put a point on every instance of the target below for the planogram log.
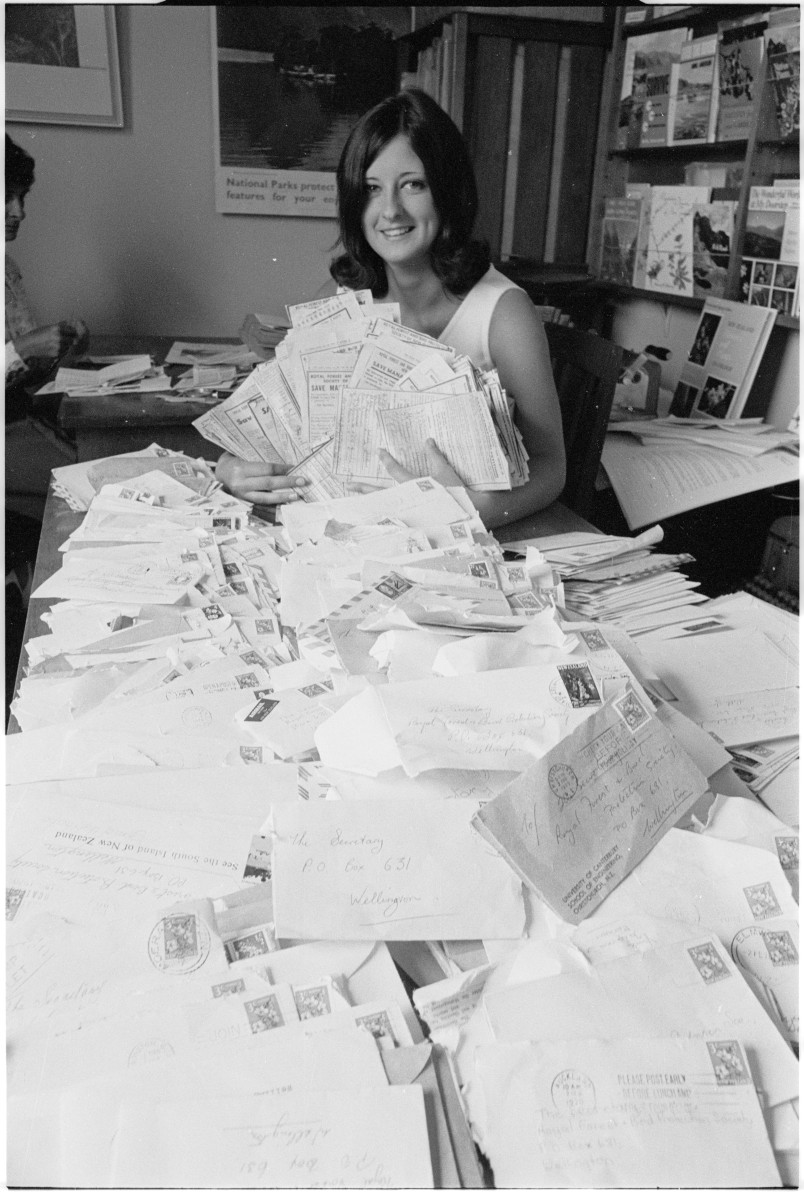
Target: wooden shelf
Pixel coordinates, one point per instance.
(699, 15)
(765, 154)
(692, 303)
(661, 152)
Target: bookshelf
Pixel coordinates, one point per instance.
(526, 92)
(754, 160)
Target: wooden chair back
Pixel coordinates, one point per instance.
(586, 368)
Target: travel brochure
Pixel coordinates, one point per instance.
(681, 90)
(726, 352)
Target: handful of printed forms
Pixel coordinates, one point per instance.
(349, 379)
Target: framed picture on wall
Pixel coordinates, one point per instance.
(62, 65)
(288, 85)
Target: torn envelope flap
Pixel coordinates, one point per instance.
(584, 815)
(542, 640)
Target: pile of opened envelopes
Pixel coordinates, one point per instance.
(339, 855)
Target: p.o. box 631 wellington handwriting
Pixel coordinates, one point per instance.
(373, 869)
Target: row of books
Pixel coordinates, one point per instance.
(436, 66)
(679, 240)
(683, 90)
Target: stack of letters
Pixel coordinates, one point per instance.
(272, 778)
(349, 379)
(620, 581)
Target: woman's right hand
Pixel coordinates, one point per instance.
(261, 484)
(50, 343)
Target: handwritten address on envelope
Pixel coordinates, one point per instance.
(580, 819)
(390, 870)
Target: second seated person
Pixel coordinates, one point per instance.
(407, 202)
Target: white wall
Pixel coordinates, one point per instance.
(121, 227)
(639, 322)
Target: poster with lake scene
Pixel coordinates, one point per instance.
(289, 83)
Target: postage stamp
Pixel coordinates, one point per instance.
(781, 949)
(393, 586)
(245, 946)
(181, 936)
(762, 901)
(312, 1001)
(247, 680)
(258, 861)
(229, 988)
(787, 850)
(251, 754)
(379, 1025)
(708, 963)
(632, 711)
(179, 943)
(593, 639)
(264, 1014)
(262, 709)
(579, 683)
(14, 898)
(728, 1062)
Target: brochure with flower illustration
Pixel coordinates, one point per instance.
(669, 264)
(726, 352)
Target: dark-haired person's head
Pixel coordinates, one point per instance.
(19, 180)
(457, 259)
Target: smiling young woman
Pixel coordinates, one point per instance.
(407, 203)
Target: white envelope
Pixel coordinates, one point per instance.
(283, 1061)
(290, 1140)
(495, 720)
(738, 892)
(689, 989)
(86, 860)
(679, 1113)
(394, 870)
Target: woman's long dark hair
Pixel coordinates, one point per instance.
(458, 260)
(19, 169)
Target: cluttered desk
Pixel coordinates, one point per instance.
(371, 848)
(177, 381)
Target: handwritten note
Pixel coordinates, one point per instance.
(580, 819)
(394, 870)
